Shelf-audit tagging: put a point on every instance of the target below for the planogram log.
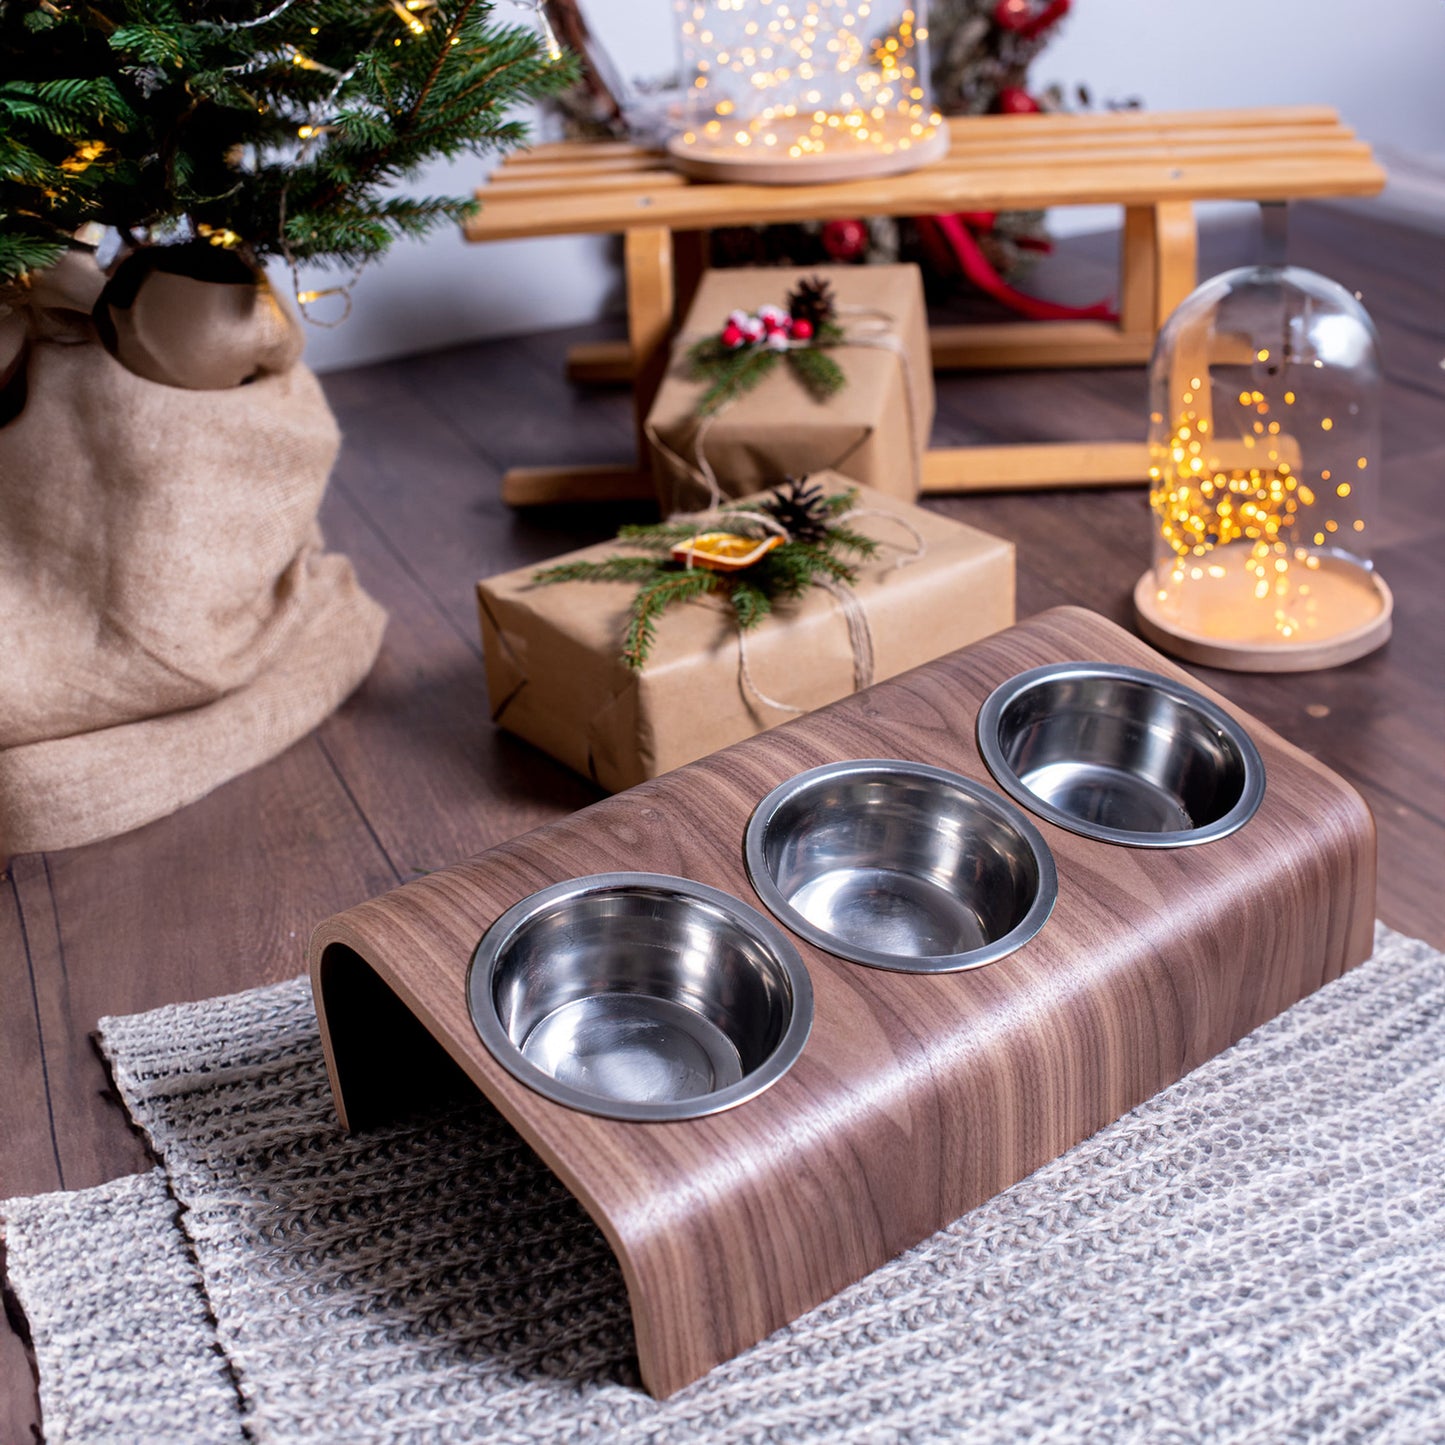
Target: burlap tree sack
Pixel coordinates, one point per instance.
(170, 617)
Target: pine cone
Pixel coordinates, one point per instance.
(812, 302)
(801, 507)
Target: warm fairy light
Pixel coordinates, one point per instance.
(809, 77)
(407, 18)
(221, 236)
(544, 24)
(1224, 511)
(84, 156)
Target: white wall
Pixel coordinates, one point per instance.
(1379, 65)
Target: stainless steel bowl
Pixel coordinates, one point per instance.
(640, 996)
(1120, 754)
(900, 866)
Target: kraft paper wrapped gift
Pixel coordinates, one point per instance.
(875, 430)
(557, 679)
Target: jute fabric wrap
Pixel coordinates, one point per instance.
(1257, 1255)
(171, 617)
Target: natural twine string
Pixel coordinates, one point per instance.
(874, 329)
(855, 617)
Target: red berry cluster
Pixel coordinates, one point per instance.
(771, 327)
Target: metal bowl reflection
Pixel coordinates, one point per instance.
(901, 866)
(640, 996)
(1120, 754)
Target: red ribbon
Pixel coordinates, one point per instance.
(950, 235)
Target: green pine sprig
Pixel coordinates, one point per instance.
(729, 373)
(819, 374)
(786, 571)
(655, 597)
(656, 536)
(732, 372)
(611, 569)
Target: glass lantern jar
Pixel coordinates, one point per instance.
(800, 91)
(1264, 441)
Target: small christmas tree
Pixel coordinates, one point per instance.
(271, 127)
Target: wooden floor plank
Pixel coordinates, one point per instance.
(29, 1157)
(220, 896)
(416, 746)
(421, 460)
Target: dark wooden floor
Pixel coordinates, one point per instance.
(410, 775)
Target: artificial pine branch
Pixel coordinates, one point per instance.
(610, 569)
(812, 560)
(786, 571)
(847, 540)
(750, 603)
(820, 375)
(729, 374)
(732, 368)
(653, 600)
(657, 536)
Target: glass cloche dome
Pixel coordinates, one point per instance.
(1264, 442)
(798, 91)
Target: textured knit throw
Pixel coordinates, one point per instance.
(1256, 1254)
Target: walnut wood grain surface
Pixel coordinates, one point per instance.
(916, 1097)
(408, 776)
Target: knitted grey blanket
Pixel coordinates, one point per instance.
(1257, 1254)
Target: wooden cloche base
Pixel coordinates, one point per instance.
(917, 1096)
(765, 167)
(1355, 617)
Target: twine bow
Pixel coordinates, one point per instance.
(855, 616)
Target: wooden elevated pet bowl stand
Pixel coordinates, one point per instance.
(917, 1096)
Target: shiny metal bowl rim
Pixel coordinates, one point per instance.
(991, 713)
(488, 952)
(775, 902)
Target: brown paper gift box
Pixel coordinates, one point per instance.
(556, 677)
(874, 430)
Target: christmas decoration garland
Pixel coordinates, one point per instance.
(799, 540)
(749, 346)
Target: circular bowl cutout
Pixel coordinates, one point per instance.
(640, 996)
(901, 866)
(1120, 755)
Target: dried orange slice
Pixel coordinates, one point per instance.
(723, 551)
